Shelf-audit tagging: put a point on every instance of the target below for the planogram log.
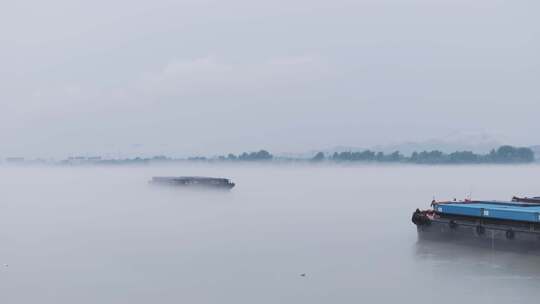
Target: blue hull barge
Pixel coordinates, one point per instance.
(496, 224)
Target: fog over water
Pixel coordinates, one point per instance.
(103, 235)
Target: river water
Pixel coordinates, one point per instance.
(103, 235)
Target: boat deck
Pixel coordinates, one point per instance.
(514, 211)
(193, 181)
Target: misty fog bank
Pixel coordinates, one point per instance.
(502, 155)
(103, 235)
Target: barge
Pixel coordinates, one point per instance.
(193, 182)
(511, 224)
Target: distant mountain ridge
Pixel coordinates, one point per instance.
(443, 146)
(476, 143)
(408, 148)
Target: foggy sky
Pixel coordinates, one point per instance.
(203, 76)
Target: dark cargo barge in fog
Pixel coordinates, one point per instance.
(497, 224)
(193, 182)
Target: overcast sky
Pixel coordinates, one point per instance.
(203, 77)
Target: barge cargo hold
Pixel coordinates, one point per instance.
(496, 224)
(193, 182)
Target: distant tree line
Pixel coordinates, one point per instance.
(261, 155)
(504, 154)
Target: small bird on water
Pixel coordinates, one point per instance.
(303, 275)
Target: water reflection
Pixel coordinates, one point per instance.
(468, 260)
(103, 235)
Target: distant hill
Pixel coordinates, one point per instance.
(326, 151)
(459, 141)
(444, 146)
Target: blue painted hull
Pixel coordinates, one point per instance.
(494, 224)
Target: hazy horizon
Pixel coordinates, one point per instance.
(123, 79)
(189, 77)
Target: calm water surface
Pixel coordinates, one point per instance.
(103, 235)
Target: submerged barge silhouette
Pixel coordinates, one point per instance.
(497, 224)
(193, 182)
